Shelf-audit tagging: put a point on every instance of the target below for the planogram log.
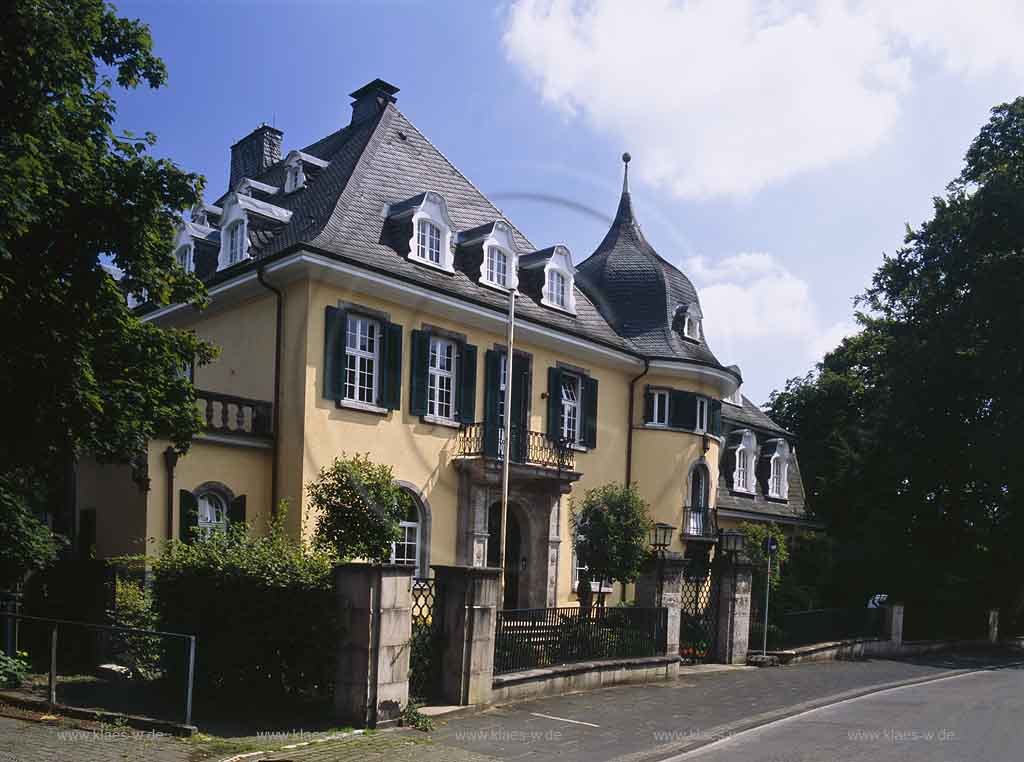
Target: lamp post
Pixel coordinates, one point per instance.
(660, 538)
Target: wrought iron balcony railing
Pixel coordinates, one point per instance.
(226, 414)
(485, 440)
(700, 523)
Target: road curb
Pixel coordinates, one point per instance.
(676, 750)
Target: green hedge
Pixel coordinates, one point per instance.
(262, 609)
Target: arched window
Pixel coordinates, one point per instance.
(699, 488)
(428, 241)
(236, 242)
(213, 513)
(413, 546)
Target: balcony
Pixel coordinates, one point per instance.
(534, 455)
(700, 524)
(236, 417)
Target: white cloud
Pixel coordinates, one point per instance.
(723, 97)
(756, 309)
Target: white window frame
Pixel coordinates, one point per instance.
(746, 454)
(659, 413)
(560, 262)
(428, 233)
(405, 526)
(183, 255)
(571, 410)
(702, 415)
(439, 377)
(357, 358)
(204, 503)
(434, 210)
(493, 274)
(778, 482)
(557, 288)
(237, 243)
(736, 398)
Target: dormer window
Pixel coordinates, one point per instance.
(556, 289)
(692, 327)
(745, 455)
(497, 266)
(428, 242)
(777, 451)
(686, 321)
(736, 398)
(294, 177)
(237, 244)
(183, 256)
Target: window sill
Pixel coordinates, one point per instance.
(496, 286)
(441, 421)
(432, 265)
(365, 407)
(742, 492)
(579, 447)
(554, 306)
(776, 499)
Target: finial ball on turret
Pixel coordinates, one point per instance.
(626, 157)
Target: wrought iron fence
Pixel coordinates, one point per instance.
(801, 628)
(528, 447)
(530, 638)
(227, 414)
(424, 656)
(698, 613)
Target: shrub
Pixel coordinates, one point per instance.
(133, 607)
(13, 669)
(262, 610)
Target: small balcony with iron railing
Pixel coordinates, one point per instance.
(700, 523)
(529, 449)
(237, 418)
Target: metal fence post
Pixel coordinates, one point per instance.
(53, 666)
(191, 678)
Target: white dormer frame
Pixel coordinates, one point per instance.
(561, 262)
(234, 214)
(500, 238)
(247, 185)
(744, 479)
(183, 241)
(434, 210)
(692, 322)
(736, 398)
(294, 174)
(779, 459)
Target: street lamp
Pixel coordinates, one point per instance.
(660, 539)
(731, 542)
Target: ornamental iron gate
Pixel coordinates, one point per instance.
(698, 620)
(425, 644)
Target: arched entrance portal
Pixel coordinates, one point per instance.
(515, 553)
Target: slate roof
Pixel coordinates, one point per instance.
(751, 415)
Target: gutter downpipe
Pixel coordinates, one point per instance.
(279, 297)
(629, 423)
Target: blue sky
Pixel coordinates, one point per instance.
(778, 148)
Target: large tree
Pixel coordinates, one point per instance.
(79, 371)
(912, 430)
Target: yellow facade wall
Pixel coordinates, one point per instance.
(245, 337)
(120, 506)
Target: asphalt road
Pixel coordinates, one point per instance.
(975, 717)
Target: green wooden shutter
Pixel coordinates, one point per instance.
(188, 515)
(236, 511)
(589, 411)
(334, 353)
(648, 405)
(682, 410)
(716, 417)
(555, 403)
(419, 362)
(492, 400)
(391, 367)
(465, 391)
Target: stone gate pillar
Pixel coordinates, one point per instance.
(734, 583)
(671, 569)
(894, 623)
(375, 616)
(468, 611)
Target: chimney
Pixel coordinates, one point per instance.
(255, 152)
(369, 100)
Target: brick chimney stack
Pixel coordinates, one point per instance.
(255, 152)
(370, 99)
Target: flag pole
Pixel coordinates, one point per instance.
(507, 426)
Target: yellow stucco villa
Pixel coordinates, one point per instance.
(359, 292)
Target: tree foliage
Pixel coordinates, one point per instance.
(26, 544)
(357, 507)
(84, 374)
(911, 431)
(610, 532)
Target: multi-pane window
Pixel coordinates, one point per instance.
(213, 514)
(497, 266)
(557, 290)
(405, 550)
(742, 468)
(440, 386)
(697, 516)
(659, 415)
(428, 241)
(702, 414)
(570, 408)
(236, 242)
(362, 352)
(184, 257)
(775, 488)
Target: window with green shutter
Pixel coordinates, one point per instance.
(391, 367)
(465, 390)
(554, 429)
(716, 417)
(334, 353)
(682, 410)
(419, 361)
(589, 434)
